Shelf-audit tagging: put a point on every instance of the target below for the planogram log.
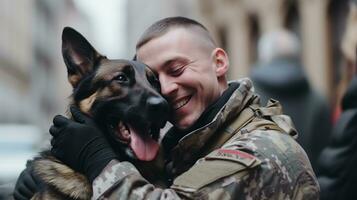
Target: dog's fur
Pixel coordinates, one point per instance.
(110, 91)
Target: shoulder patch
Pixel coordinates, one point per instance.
(219, 164)
(233, 155)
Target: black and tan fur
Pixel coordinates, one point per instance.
(109, 91)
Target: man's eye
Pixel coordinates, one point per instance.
(121, 78)
(177, 71)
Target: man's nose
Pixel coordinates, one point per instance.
(167, 86)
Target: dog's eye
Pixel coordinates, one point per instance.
(154, 81)
(121, 78)
(156, 84)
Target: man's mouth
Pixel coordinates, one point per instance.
(182, 102)
(143, 143)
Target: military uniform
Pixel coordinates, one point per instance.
(245, 152)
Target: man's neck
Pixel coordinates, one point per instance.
(174, 134)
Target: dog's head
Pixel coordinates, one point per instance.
(121, 95)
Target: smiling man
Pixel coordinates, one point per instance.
(192, 76)
(223, 144)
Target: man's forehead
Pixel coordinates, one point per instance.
(177, 43)
(177, 36)
(174, 39)
(167, 38)
(174, 34)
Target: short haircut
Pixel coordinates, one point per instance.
(162, 26)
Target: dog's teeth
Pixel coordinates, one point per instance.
(121, 124)
(125, 133)
(122, 128)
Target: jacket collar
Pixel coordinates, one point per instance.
(173, 136)
(189, 146)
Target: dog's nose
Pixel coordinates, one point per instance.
(158, 107)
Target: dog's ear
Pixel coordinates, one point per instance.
(79, 56)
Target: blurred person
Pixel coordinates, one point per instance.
(223, 144)
(338, 161)
(348, 45)
(280, 75)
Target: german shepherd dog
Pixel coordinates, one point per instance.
(122, 96)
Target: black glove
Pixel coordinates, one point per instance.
(80, 144)
(26, 185)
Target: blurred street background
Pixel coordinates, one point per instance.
(33, 77)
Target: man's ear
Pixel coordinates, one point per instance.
(221, 61)
(80, 57)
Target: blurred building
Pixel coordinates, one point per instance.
(319, 24)
(15, 59)
(33, 85)
(32, 74)
(237, 24)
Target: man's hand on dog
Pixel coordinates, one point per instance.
(80, 144)
(26, 185)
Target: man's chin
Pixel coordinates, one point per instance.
(182, 125)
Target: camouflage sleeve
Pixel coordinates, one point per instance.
(121, 180)
(259, 166)
(210, 178)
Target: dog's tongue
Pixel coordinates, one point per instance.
(144, 147)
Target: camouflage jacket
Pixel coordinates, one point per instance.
(229, 158)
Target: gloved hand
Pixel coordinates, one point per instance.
(80, 144)
(26, 185)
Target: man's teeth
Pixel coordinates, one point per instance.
(182, 103)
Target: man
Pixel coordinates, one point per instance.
(222, 146)
(280, 75)
(338, 160)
